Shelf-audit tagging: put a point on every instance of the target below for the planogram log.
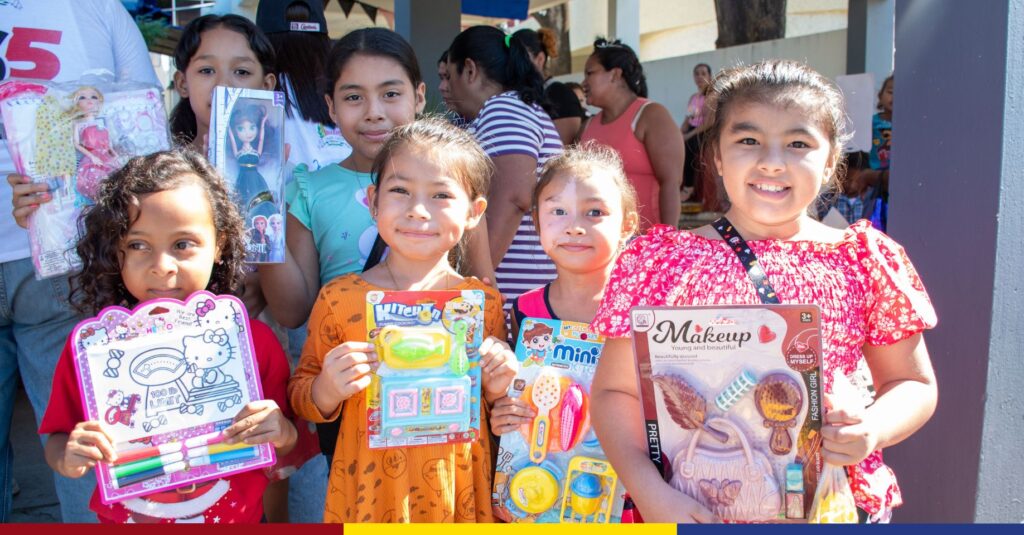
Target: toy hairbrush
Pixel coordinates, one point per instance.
(546, 392)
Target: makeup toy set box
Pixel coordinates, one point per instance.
(553, 469)
(72, 136)
(732, 405)
(426, 389)
(247, 147)
(165, 379)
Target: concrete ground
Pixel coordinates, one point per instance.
(37, 501)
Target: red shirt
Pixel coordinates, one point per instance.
(235, 499)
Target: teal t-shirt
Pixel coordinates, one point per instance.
(333, 205)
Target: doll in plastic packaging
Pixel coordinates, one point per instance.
(247, 129)
(92, 141)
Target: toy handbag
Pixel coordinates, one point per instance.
(735, 484)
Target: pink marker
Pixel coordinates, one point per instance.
(208, 439)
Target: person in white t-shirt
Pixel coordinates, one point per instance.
(298, 31)
(53, 40)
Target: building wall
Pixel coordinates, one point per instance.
(670, 28)
(670, 80)
(958, 185)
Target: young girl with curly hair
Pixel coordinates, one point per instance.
(146, 238)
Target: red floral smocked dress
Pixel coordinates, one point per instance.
(865, 285)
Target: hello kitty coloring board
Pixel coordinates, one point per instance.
(164, 379)
(732, 405)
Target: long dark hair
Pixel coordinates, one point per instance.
(183, 119)
(507, 65)
(616, 55)
(104, 225)
(542, 40)
(373, 42)
(253, 113)
(301, 56)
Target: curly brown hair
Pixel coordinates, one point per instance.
(103, 226)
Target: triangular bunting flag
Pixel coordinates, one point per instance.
(346, 6)
(371, 12)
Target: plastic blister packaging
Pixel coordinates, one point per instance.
(72, 136)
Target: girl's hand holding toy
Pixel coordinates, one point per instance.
(87, 444)
(498, 366)
(346, 372)
(260, 422)
(509, 414)
(26, 197)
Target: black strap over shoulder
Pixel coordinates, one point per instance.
(732, 238)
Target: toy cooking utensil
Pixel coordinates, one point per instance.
(685, 405)
(571, 421)
(534, 489)
(546, 392)
(586, 491)
(413, 347)
(458, 363)
(779, 398)
(589, 486)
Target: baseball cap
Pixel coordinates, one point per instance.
(270, 17)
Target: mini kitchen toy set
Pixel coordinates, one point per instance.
(553, 470)
(427, 387)
(165, 379)
(732, 403)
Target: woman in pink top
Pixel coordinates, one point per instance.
(643, 132)
(693, 131)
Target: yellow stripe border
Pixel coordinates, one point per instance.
(532, 529)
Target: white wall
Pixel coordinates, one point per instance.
(670, 80)
(678, 27)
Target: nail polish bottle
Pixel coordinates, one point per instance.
(794, 490)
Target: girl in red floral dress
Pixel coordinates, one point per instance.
(776, 139)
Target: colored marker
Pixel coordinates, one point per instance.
(224, 457)
(145, 465)
(216, 448)
(205, 440)
(144, 453)
(148, 474)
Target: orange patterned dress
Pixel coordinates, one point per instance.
(445, 483)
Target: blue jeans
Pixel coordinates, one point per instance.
(307, 490)
(35, 320)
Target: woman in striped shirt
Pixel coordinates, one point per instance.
(493, 84)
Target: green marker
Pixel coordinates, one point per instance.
(147, 464)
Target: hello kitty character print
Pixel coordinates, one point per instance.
(163, 372)
(865, 285)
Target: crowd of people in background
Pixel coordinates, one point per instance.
(513, 188)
